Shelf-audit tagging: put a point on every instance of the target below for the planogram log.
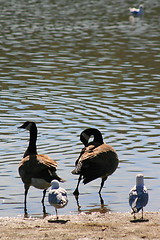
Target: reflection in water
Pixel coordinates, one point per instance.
(70, 67)
(94, 209)
(101, 209)
(79, 206)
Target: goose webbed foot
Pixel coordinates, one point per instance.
(77, 201)
(45, 214)
(26, 215)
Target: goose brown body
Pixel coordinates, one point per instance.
(38, 167)
(96, 160)
(37, 170)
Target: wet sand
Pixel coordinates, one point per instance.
(82, 227)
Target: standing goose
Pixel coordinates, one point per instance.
(36, 170)
(96, 159)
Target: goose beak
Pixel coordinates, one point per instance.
(22, 126)
(26, 125)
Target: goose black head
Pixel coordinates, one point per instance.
(27, 125)
(87, 133)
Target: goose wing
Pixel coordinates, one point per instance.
(37, 166)
(40, 161)
(95, 162)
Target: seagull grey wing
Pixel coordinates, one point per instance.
(133, 198)
(142, 199)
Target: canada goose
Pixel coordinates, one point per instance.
(57, 196)
(138, 196)
(96, 159)
(36, 170)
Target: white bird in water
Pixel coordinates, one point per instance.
(138, 196)
(57, 196)
(136, 12)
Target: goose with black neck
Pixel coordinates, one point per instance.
(97, 160)
(37, 170)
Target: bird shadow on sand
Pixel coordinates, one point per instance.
(139, 220)
(61, 221)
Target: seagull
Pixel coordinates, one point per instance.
(138, 196)
(137, 11)
(57, 196)
(97, 159)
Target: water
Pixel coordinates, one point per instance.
(70, 66)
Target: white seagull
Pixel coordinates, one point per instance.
(137, 11)
(138, 196)
(57, 196)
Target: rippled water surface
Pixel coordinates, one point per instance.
(70, 65)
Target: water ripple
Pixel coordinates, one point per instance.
(69, 67)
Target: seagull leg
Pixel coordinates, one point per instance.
(134, 216)
(56, 214)
(44, 209)
(142, 213)
(26, 187)
(76, 192)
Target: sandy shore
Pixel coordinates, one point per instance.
(82, 227)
